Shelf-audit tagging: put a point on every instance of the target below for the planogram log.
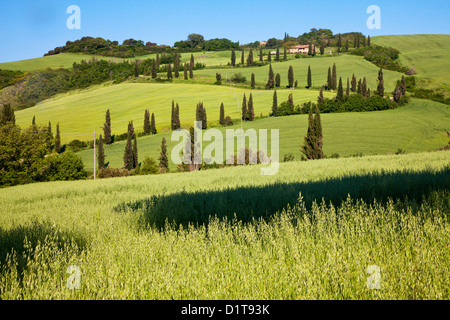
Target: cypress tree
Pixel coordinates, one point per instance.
(233, 58)
(57, 140)
(185, 71)
(347, 92)
(291, 76)
(339, 42)
(277, 57)
(364, 87)
(403, 86)
(318, 135)
(334, 78)
(274, 104)
(309, 78)
(169, 71)
(157, 61)
(368, 93)
(285, 54)
(277, 80)
(153, 125)
(252, 82)
(191, 67)
(176, 65)
(33, 123)
(314, 51)
(368, 41)
(310, 49)
(107, 128)
(346, 46)
(359, 89)
(340, 93)
(363, 40)
(136, 68)
(154, 74)
(353, 83)
(201, 115)
(354, 42)
(242, 58)
(222, 114)
(163, 160)
(291, 99)
(309, 140)
(100, 154)
(269, 57)
(380, 87)
(322, 48)
(358, 41)
(172, 117)
(250, 58)
(397, 94)
(177, 117)
(128, 153)
(147, 125)
(135, 154)
(250, 110)
(320, 98)
(270, 82)
(261, 56)
(329, 84)
(244, 108)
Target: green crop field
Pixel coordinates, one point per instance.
(420, 126)
(428, 54)
(80, 113)
(308, 252)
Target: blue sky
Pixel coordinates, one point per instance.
(29, 28)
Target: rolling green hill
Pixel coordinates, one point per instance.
(79, 113)
(428, 54)
(420, 126)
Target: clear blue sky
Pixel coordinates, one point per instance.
(29, 28)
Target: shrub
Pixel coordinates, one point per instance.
(149, 167)
(288, 157)
(228, 122)
(238, 78)
(65, 166)
(112, 173)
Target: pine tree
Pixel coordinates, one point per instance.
(242, 57)
(169, 71)
(334, 78)
(163, 160)
(100, 154)
(250, 58)
(185, 71)
(244, 108)
(222, 114)
(252, 82)
(250, 110)
(153, 125)
(291, 77)
(191, 67)
(380, 87)
(320, 98)
(147, 125)
(233, 58)
(309, 78)
(277, 80)
(270, 82)
(57, 140)
(275, 104)
(107, 128)
(135, 154)
(277, 56)
(340, 93)
(353, 83)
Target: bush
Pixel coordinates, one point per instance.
(238, 78)
(112, 173)
(76, 145)
(228, 122)
(65, 166)
(149, 167)
(288, 157)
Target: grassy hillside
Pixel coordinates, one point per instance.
(420, 126)
(80, 113)
(346, 65)
(319, 254)
(428, 54)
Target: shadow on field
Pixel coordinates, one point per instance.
(23, 241)
(264, 201)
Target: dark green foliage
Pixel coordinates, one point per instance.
(33, 122)
(364, 87)
(185, 71)
(261, 56)
(107, 127)
(191, 67)
(274, 104)
(222, 114)
(329, 83)
(313, 141)
(347, 92)
(153, 125)
(249, 58)
(309, 78)
(228, 122)
(380, 87)
(277, 56)
(403, 86)
(112, 173)
(218, 79)
(356, 103)
(353, 83)
(10, 78)
(176, 65)
(7, 115)
(163, 160)
(277, 80)
(177, 117)
(340, 93)
(100, 154)
(244, 108)
(154, 74)
(128, 157)
(334, 78)
(57, 140)
(242, 57)
(233, 58)
(136, 68)
(252, 82)
(285, 54)
(149, 166)
(271, 82)
(320, 98)
(291, 77)
(135, 154)
(322, 48)
(201, 115)
(386, 58)
(169, 72)
(250, 110)
(269, 57)
(147, 125)
(397, 94)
